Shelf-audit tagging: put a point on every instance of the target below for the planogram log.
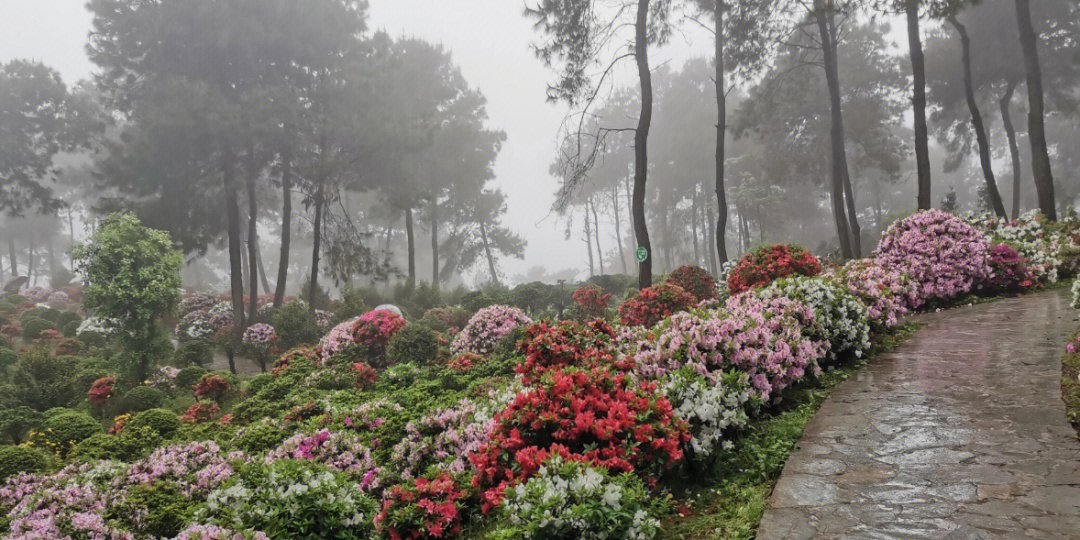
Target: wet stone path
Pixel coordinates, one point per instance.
(958, 433)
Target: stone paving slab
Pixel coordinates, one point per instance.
(958, 433)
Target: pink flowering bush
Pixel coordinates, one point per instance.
(442, 440)
(337, 451)
(487, 327)
(260, 342)
(337, 339)
(1010, 269)
(886, 292)
(201, 531)
(375, 328)
(944, 256)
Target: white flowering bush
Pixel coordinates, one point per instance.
(291, 499)
(713, 410)
(839, 317)
(566, 499)
(1074, 293)
(96, 329)
(1040, 246)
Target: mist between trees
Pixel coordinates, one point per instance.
(287, 147)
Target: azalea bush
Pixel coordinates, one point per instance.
(943, 255)
(568, 499)
(338, 452)
(602, 416)
(840, 319)
(260, 342)
(1009, 269)
(713, 409)
(441, 441)
(337, 339)
(549, 346)
(887, 293)
(214, 387)
(591, 300)
(100, 392)
(694, 280)
(761, 266)
(374, 330)
(1040, 244)
(652, 304)
(423, 508)
(487, 327)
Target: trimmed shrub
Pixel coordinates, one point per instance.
(943, 255)
(15, 460)
(694, 280)
(66, 429)
(196, 352)
(415, 343)
(189, 377)
(43, 381)
(761, 266)
(295, 325)
(652, 304)
(16, 422)
(488, 326)
(259, 438)
(257, 383)
(162, 421)
(445, 319)
(141, 398)
(34, 326)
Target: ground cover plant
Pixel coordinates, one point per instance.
(669, 416)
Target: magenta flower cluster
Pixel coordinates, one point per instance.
(943, 255)
(488, 326)
(338, 452)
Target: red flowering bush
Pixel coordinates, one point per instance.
(67, 347)
(1009, 269)
(365, 375)
(48, 335)
(100, 392)
(375, 328)
(213, 387)
(600, 416)
(548, 346)
(310, 409)
(652, 304)
(694, 280)
(200, 412)
(421, 509)
(464, 361)
(11, 331)
(592, 300)
(765, 264)
(292, 356)
(118, 424)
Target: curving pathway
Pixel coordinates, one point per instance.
(958, 433)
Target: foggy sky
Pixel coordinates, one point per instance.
(489, 40)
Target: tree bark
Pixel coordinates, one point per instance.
(849, 190)
(588, 242)
(977, 122)
(316, 242)
(232, 214)
(411, 240)
(823, 12)
(596, 236)
(435, 244)
(1040, 156)
(618, 226)
(918, 103)
(286, 227)
(712, 240)
(262, 270)
(490, 257)
(721, 130)
(1014, 149)
(253, 237)
(14, 257)
(641, 137)
(71, 232)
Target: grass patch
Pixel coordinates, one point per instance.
(731, 503)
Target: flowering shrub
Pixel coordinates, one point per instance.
(712, 410)
(944, 256)
(199, 467)
(652, 304)
(887, 293)
(337, 339)
(291, 499)
(260, 341)
(444, 319)
(200, 531)
(840, 319)
(422, 509)
(1074, 293)
(487, 327)
(292, 356)
(375, 328)
(761, 266)
(100, 392)
(601, 416)
(366, 376)
(694, 280)
(198, 301)
(566, 499)
(1041, 247)
(200, 413)
(549, 346)
(213, 387)
(592, 300)
(464, 361)
(164, 378)
(337, 451)
(441, 440)
(1009, 268)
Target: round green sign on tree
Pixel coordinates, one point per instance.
(641, 254)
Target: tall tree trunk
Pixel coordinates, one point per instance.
(316, 242)
(30, 264)
(1014, 149)
(286, 227)
(14, 258)
(618, 226)
(977, 122)
(253, 236)
(52, 259)
(852, 216)
(641, 137)
(411, 240)
(490, 257)
(712, 240)
(721, 130)
(236, 278)
(262, 270)
(435, 244)
(693, 227)
(71, 233)
(588, 242)
(1040, 156)
(918, 103)
(823, 13)
(596, 235)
